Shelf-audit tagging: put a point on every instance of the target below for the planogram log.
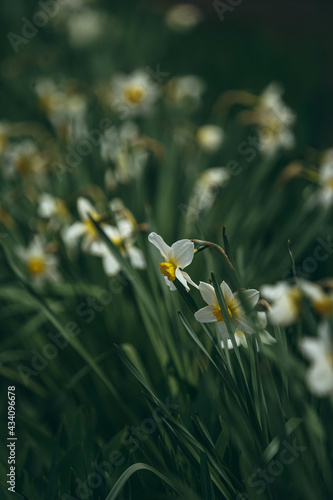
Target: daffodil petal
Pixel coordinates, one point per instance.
(110, 264)
(205, 315)
(189, 279)
(160, 244)
(251, 296)
(182, 252)
(73, 232)
(84, 207)
(208, 293)
(180, 277)
(226, 292)
(136, 257)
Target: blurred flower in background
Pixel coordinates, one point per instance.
(183, 17)
(319, 351)
(40, 265)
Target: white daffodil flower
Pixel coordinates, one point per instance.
(319, 352)
(178, 256)
(183, 17)
(40, 265)
(286, 303)
(210, 137)
(133, 94)
(122, 237)
(86, 228)
(212, 312)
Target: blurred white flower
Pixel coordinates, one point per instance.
(185, 91)
(212, 312)
(25, 159)
(121, 236)
(206, 190)
(54, 209)
(85, 26)
(183, 17)
(133, 94)
(86, 228)
(319, 351)
(178, 256)
(275, 119)
(40, 265)
(286, 303)
(210, 137)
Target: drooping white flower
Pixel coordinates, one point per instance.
(206, 190)
(40, 265)
(183, 17)
(177, 257)
(212, 312)
(319, 351)
(286, 303)
(210, 137)
(86, 229)
(133, 94)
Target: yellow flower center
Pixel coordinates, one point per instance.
(36, 266)
(169, 270)
(135, 94)
(218, 313)
(330, 183)
(324, 306)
